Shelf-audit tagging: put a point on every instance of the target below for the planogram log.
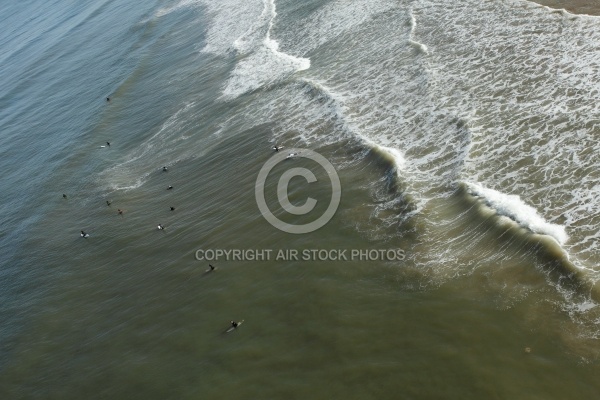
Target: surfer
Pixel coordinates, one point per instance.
(108, 144)
(210, 269)
(234, 326)
(165, 169)
(160, 227)
(64, 196)
(84, 235)
(108, 202)
(277, 148)
(120, 211)
(170, 187)
(172, 208)
(291, 155)
(108, 99)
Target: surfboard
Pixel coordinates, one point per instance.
(233, 328)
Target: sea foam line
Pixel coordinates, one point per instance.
(413, 26)
(273, 45)
(265, 64)
(337, 102)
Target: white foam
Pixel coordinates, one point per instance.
(266, 64)
(331, 21)
(513, 207)
(263, 67)
(413, 25)
(159, 149)
(396, 155)
(114, 186)
(161, 12)
(481, 106)
(230, 21)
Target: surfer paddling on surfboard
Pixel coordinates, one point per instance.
(210, 269)
(234, 326)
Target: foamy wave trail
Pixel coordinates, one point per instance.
(335, 103)
(533, 132)
(265, 65)
(158, 150)
(230, 20)
(332, 20)
(398, 170)
(413, 25)
(514, 208)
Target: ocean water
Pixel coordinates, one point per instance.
(465, 135)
